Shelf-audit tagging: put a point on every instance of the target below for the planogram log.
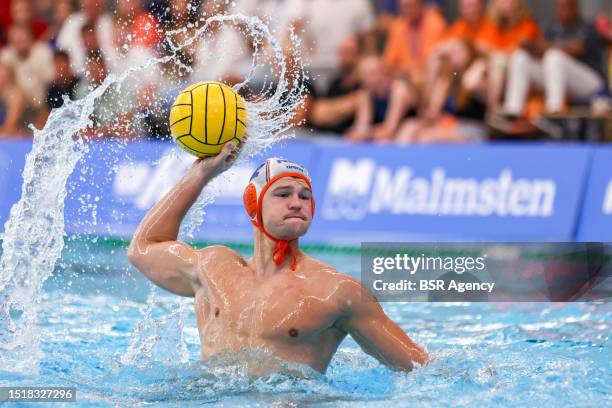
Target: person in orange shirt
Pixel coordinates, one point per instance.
(472, 24)
(603, 24)
(468, 28)
(382, 102)
(454, 109)
(412, 38)
(513, 27)
(567, 65)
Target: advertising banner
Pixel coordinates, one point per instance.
(364, 193)
(596, 219)
(486, 192)
(12, 161)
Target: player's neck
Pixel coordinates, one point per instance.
(263, 263)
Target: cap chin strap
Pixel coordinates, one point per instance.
(282, 248)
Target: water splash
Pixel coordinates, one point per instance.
(33, 238)
(34, 233)
(158, 341)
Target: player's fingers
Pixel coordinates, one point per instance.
(243, 142)
(227, 149)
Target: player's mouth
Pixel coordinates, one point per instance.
(301, 217)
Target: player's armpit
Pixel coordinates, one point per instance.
(365, 320)
(171, 265)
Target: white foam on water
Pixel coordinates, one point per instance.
(34, 233)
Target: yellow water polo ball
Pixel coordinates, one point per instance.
(205, 116)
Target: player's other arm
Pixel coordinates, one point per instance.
(154, 249)
(364, 319)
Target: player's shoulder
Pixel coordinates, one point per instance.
(328, 274)
(220, 254)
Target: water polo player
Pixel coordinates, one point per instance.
(281, 300)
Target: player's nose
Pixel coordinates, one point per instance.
(295, 203)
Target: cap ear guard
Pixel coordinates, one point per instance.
(250, 200)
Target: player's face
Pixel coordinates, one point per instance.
(287, 208)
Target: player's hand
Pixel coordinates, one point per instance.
(221, 162)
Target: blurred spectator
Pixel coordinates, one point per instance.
(277, 14)
(212, 61)
(135, 38)
(382, 104)
(181, 13)
(386, 12)
(455, 107)
(11, 103)
(111, 116)
(64, 84)
(89, 38)
(95, 73)
(22, 13)
(70, 39)
(472, 23)
(470, 27)
(141, 26)
(323, 24)
(569, 62)
(335, 110)
(62, 9)
(5, 14)
(136, 35)
(32, 63)
(180, 24)
(512, 27)
(392, 7)
(43, 9)
(173, 78)
(412, 38)
(603, 24)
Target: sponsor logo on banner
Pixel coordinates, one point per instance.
(360, 188)
(348, 190)
(144, 183)
(607, 203)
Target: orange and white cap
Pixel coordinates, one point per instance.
(272, 170)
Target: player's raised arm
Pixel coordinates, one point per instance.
(154, 249)
(365, 320)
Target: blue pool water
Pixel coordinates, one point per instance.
(520, 354)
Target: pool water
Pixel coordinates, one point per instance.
(99, 335)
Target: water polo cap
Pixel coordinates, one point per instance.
(273, 169)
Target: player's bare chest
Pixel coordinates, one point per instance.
(276, 309)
